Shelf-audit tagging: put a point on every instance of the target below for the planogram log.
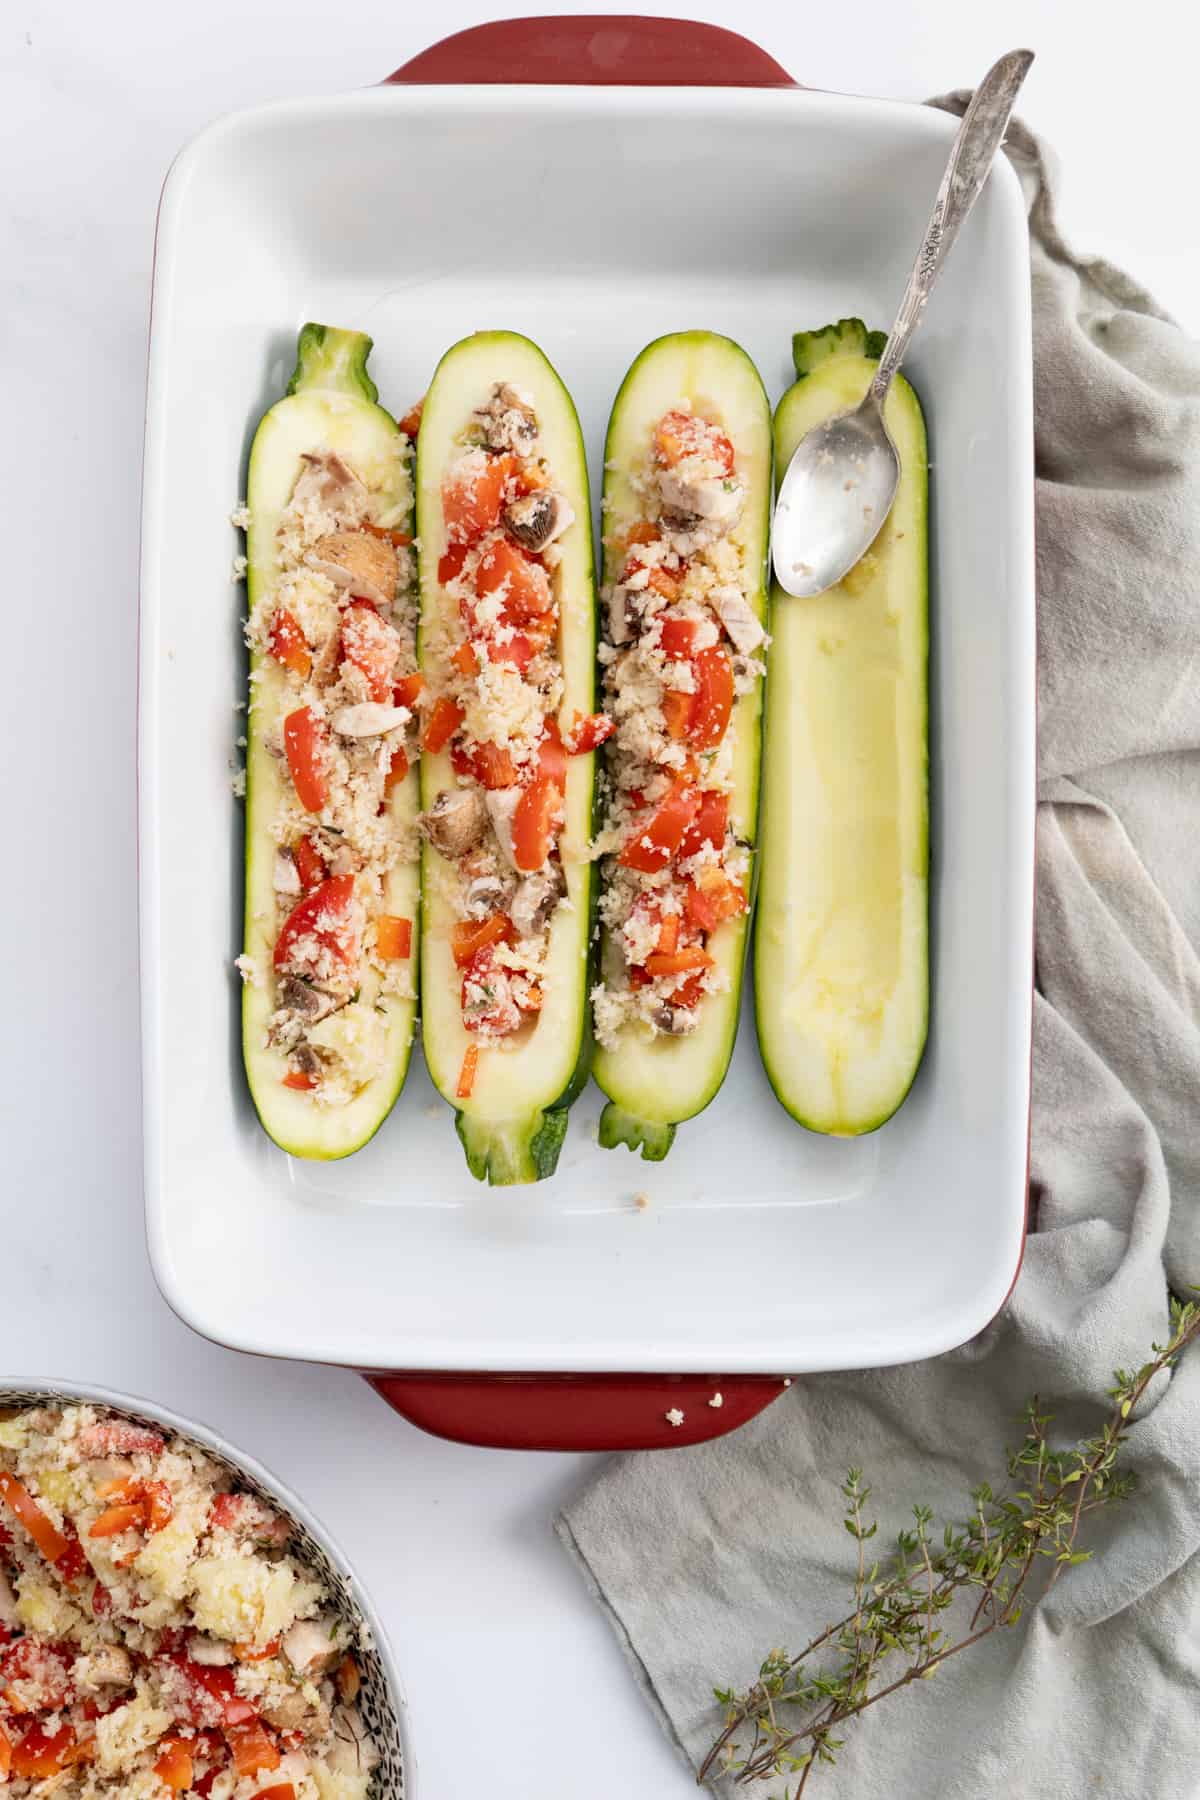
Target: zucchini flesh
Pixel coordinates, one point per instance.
(331, 404)
(654, 1082)
(841, 936)
(513, 1122)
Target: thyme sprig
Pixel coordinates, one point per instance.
(787, 1723)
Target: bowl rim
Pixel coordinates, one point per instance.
(89, 1393)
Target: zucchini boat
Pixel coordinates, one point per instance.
(329, 1000)
(687, 493)
(841, 944)
(507, 648)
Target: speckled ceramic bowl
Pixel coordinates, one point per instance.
(381, 1700)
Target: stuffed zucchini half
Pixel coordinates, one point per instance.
(507, 648)
(841, 945)
(687, 492)
(331, 872)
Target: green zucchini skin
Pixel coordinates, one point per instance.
(332, 403)
(513, 1125)
(841, 934)
(654, 1084)
(619, 1128)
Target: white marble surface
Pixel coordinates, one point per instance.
(516, 1688)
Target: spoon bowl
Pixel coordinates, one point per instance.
(839, 487)
(834, 499)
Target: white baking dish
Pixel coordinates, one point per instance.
(592, 219)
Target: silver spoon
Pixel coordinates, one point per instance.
(840, 484)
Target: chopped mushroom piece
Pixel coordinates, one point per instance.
(509, 422)
(370, 718)
(536, 519)
(212, 1653)
(486, 894)
(300, 1000)
(738, 618)
(678, 1021)
(107, 1666)
(533, 902)
(358, 561)
(455, 822)
(501, 806)
(716, 499)
(287, 875)
(325, 661)
(312, 1645)
(298, 1710)
(329, 482)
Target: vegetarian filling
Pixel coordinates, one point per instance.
(496, 713)
(340, 629)
(682, 642)
(156, 1635)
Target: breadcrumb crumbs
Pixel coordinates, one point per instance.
(675, 1417)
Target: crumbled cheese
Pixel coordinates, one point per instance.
(718, 1399)
(240, 517)
(238, 568)
(675, 1417)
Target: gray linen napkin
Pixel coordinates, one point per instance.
(704, 1559)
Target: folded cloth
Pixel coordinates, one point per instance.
(707, 1558)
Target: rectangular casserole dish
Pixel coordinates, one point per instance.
(592, 218)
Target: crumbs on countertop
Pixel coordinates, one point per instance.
(674, 1417)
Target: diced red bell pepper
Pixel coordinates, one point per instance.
(470, 936)
(174, 1765)
(117, 1519)
(681, 434)
(101, 1601)
(450, 565)
(677, 711)
(45, 1533)
(408, 690)
(6, 1755)
(491, 765)
(443, 722)
(288, 644)
(310, 864)
(653, 842)
(516, 650)
(678, 962)
(393, 937)
(301, 1081)
(371, 645)
(552, 754)
(214, 1693)
(410, 424)
(712, 703)
(466, 1075)
(397, 769)
(119, 1437)
(72, 1565)
(465, 660)
(709, 826)
(473, 497)
(44, 1670)
(710, 898)
(589, 732)
(158, 1504)
(537, 813)
(678, 636)
(526, 584)
(325, 915)
(252, 1748)
(39, 1753)
(304, 742)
